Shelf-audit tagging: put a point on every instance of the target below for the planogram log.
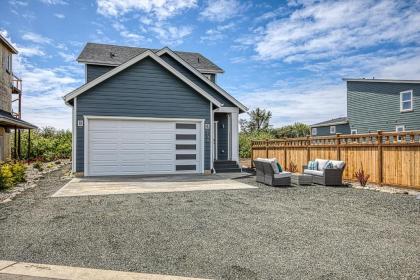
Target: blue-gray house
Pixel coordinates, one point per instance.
(376, 104)
(147, 111)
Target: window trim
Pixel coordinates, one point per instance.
(401, 101)
(399, 139)
(333, 129)
(353, 130)
(314, 129)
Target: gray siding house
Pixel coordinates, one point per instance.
(147, 111)
(376, 104)
(388, 105)
(331, 127)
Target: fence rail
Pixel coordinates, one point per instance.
(390, 158)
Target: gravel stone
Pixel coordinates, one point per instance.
(309, 232)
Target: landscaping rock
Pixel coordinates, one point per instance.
(32, 176)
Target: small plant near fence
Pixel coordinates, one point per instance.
(292, 167)
(11, 174)
(361, 176)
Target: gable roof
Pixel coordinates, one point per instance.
(202, 77)
(381, 81)
(8, 44)
(147, 53)
(336, 121)
(112, 55)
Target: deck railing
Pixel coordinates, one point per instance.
(391, 158)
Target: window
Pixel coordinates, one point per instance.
(406, 101)
(399, 128)
(314, 131)
(353, 131)
(332, 129)
(9, 63)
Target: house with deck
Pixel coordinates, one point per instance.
(152, 111)
(376, 104)
(10, 104)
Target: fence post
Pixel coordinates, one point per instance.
(380, 163)
(337, 135)
(266, 148)
(285, 153)
(308, 149)
(252, 154)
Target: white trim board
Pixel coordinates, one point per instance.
(382, 81)
(131, 62)
(202, 77)
(92, 117)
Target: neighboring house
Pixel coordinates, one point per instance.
(10, 91)
(376, 104)
(331, 127)
(147, 111)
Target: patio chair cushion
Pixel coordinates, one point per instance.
(284, 174)
(329, 165)
(273, 163)
(313, 165)
(313, 172)
(337, 164)
(321, 163)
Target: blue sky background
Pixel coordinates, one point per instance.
(285, 56)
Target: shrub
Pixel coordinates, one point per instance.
(6, 176)
(18, 170)
(245, 139)
(361, 176)
(37, 165)
(47, 144)
(292, 167)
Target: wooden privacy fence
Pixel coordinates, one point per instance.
(390, 158)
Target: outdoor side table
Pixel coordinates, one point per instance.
(301, 179)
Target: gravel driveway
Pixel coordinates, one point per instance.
(309, 232)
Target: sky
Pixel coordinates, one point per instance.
(285, 56)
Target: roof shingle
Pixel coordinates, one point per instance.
(332, 121)
(116, 55)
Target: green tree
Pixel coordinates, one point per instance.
(292, 131)
(259, 119)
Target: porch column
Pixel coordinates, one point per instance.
(235, 136)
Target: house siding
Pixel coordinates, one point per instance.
(94, 71)
(373, 106)
(222, 136)
(145, 89)
(325, 130)
(196, 80)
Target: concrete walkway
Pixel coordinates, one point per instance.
(130, 185)
(33, 271)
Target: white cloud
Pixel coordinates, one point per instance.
(171, 35)
(54, 2)
(329, 28)
(217, 33)
(43, 89)
(67, 57)
(162, 9)
(305, 101)
(221, 10)
(30, 51)
(60, 16)
(18, 3)
(128, 35)
(36, 38)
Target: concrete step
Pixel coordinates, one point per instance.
(228, 170)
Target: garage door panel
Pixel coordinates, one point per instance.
(137, 147)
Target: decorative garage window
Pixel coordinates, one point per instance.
(406, 101)
(186, 147)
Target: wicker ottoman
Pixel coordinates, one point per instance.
(301, 179)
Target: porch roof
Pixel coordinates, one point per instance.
(9, 121)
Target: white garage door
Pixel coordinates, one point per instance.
(139, 147)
